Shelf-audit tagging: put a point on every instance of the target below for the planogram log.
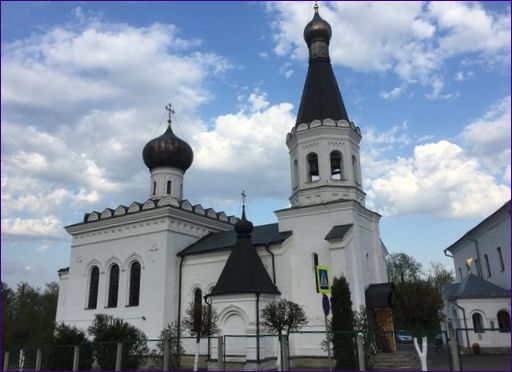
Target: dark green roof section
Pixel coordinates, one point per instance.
(474, 287)
(262, 235)
(338, 232)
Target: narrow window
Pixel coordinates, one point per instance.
(198, 298)
(460, 273)
(168, 187)
(500, 257)
(113, 286)
(154, 188)
(295, 174)
(336, 165)
(134, 284)
(355, 169)
(313, 172)
(503, 321)
(94, 280)
(477, 323)
(492, 324)
(488, 266)
(477, 268)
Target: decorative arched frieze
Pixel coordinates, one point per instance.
(315, 123)
(169, 200)
(120, 210)
(107, 213)
(302, 127)
(149, 204)
(233, 219)
(343, 123)
(90, 264)
(134, 208)
(230, 311)
(186, 205)
(211, 213)
(93, 216)
(131, 258)
(198, 208)
(329, 122)
(221, 216)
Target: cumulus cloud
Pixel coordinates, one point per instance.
(439, 179)
(411, 39)
(488, 137)
(79, 102)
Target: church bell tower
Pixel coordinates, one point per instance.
(324, 143)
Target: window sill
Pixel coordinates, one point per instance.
(131, 305)
(110, 307)
(90, 308)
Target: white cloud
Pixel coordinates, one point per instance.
(488, 137)
(49, 226)
(412, 39)
(439, 179)
(395, 92)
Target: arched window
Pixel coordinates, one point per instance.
(94, 280)
(355, 169)
(460, 273)
(315, 264)
(133, 296)
(487, 265)
(313, 172)
(477, 323)
(198, 301)
(154, 188)
(113, 285)
(477, 268)
(337, 165)
(168, 187)
(503, 321)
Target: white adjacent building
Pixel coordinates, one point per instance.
(479, 301)
(145, 262)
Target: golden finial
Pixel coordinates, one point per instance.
(469, 263)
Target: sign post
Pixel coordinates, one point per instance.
(324, 287)
(326, 306)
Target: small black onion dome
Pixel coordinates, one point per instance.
(243, 227)
(168, 150)
(317, 28)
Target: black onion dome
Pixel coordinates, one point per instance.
(168, 150)
(243, 227)
(317, 29)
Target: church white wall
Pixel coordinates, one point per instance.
(151, 237)
(490, 235)
(310, 226)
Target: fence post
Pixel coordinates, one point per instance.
(6, 361)
(38, 360)
(76, 356)
(166, 354)
(454, 350)
(284, 353)
(220, 353)
(360, 352)
(119, 356)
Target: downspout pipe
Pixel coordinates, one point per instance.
(465, 321)
(273, 262)
(182, 258)
(258, 328)
(479, 265)
(209, 303)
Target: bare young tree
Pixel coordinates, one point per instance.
(283, 316)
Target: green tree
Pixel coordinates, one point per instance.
(8, 314)
(283, 316)
(440, 275)
(58, 356)
(402, 268)
(208, 316)
(342, 325)
(170, 334)
(107, 331)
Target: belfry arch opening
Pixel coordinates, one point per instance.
(337, 172)
(313, 171)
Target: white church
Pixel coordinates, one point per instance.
(146, 261)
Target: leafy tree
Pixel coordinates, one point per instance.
(170, 334)
(8, 315)
(283, 316)
(59, 355)
(342, 325)
(402, 268)
(417, 305)
(208, 318)
(440, 275)
(107, 331)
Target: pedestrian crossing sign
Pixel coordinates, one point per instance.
(322, 279)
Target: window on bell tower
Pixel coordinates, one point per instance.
(168, 187)
(313, 172)
(337, 165)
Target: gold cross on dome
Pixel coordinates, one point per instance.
(243, 197)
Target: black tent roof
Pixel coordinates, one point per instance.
(244, 272)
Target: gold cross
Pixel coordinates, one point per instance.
(243, 197)
(170, 111)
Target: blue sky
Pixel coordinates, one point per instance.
(84, 85)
